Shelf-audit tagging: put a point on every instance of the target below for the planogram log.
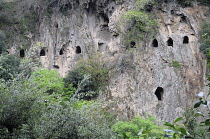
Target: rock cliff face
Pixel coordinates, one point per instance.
(160, 76)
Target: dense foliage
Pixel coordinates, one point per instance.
(36, 107)
(9, 66)
(137, 128)
(89, 77)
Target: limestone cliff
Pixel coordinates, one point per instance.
(160, 76)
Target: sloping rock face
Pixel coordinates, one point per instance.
(76, 32)
(166, 74)
(160, 76)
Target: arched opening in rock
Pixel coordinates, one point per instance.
(78, 50)
(42, 52)
(159, 93)
(22, 53)
(61, 51)
(155, 43)
(185, 40)
(170, 42)
(133, 44)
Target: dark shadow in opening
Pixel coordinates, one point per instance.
(22, 53)
(56, 25)
(56, 66)
(42, 52)
(78, 50)
(155, 43)
(159, 93)
(185, 40)
(133, 44)
(170, 42)
(183, 19)
(61, 51)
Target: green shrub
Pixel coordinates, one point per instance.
(195, 124)
(136, 128)
(90, 76)
(16, 100)
(9, 66)
(48, 80)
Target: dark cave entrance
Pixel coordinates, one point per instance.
(159, 93)
(78, 50)
(170, 42)
(61, 51)
(185, 40)
(133, 44)
(22, 53)
(42, 52)
(154, 43)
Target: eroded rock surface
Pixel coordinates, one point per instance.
(160, 77)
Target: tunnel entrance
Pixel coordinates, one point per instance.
(133, 44)
(42, 52)
(61, 51)
(22, 53)
(78, 50)
(159, 93)
(154, 43)
(185, 40)
(170, 42)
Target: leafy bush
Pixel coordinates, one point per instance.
(9, 66)
(16, 99)
(196, 124)
(48, 80)
(89, 76)
(137, 128)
